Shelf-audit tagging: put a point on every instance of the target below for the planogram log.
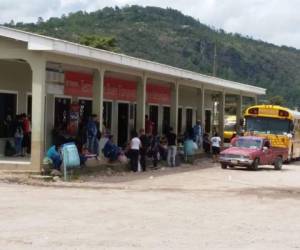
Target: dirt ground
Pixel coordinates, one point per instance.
(199, 207)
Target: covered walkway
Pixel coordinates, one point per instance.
(43, 77)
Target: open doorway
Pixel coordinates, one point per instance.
(166, 119)
(179, 121)
(207, 121)
(189, 118)
(123, 120)
(62, 112)
(8, 110)
(85, 108)
(153, 116)
(107, 116)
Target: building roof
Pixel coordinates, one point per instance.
(49, 44)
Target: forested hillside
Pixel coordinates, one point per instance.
(168, 36)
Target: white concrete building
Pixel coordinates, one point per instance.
(53, 75)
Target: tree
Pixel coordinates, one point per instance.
(105, 43)
(276, 100)
(40, 20)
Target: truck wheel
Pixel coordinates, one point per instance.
(278, 163)
(223, 165)
(255, 164)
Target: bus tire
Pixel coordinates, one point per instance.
(278, 163)
(255, 164)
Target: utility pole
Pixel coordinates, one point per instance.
(215, 60)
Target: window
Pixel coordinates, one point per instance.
(8, 109)
(248, 143)
(266, 125)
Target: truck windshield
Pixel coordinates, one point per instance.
(248, 143)
(265, 125)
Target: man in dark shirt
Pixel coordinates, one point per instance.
(144, 149)
(172, 148)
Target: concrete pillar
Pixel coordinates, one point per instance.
(239, 109)
(38, 67)
(174, 106)
(114, 121)
(221, 114)
(202, 113)
(50, 102)
(98, 88)
(183, 119)
(141, 103)
(255, 100)
(160, 120)
(200, 104)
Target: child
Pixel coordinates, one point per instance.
(216, 146)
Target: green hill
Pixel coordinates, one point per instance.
(168, 36)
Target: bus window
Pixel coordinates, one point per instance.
(267, 125)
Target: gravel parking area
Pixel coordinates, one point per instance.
(186, 208)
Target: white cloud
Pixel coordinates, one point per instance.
(274, 21)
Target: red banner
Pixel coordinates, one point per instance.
(118, 89)
(158, 94)
(78, 84)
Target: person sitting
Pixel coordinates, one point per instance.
(55, 155)
(190, 148)
(110, 150)
(206, 143)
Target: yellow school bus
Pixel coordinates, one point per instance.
(280, 125)
(229, 127)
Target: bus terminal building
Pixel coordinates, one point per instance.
(47, 78)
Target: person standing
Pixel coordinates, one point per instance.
(26, 135)
(148, 126)
(92, 135)
(18, 136)
(145, 142)
(172, 148)
(198, 135)
(216, 146)
(135, 145)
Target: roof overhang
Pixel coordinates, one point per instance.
(37, 42)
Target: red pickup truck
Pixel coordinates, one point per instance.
(252, 151)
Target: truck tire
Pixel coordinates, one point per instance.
(255, 164)
(223, 165)
(278, 163)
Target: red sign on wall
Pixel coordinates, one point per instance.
(78, 84)
(158, 94)
(119, 89)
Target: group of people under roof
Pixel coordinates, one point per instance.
(143, 145)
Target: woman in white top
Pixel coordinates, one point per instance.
(135, 145)
(216, 146)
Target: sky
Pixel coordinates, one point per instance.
(274, 21)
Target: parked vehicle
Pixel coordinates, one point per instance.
(278, 124)
(252, 151)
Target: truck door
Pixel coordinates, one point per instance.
(267, 153)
